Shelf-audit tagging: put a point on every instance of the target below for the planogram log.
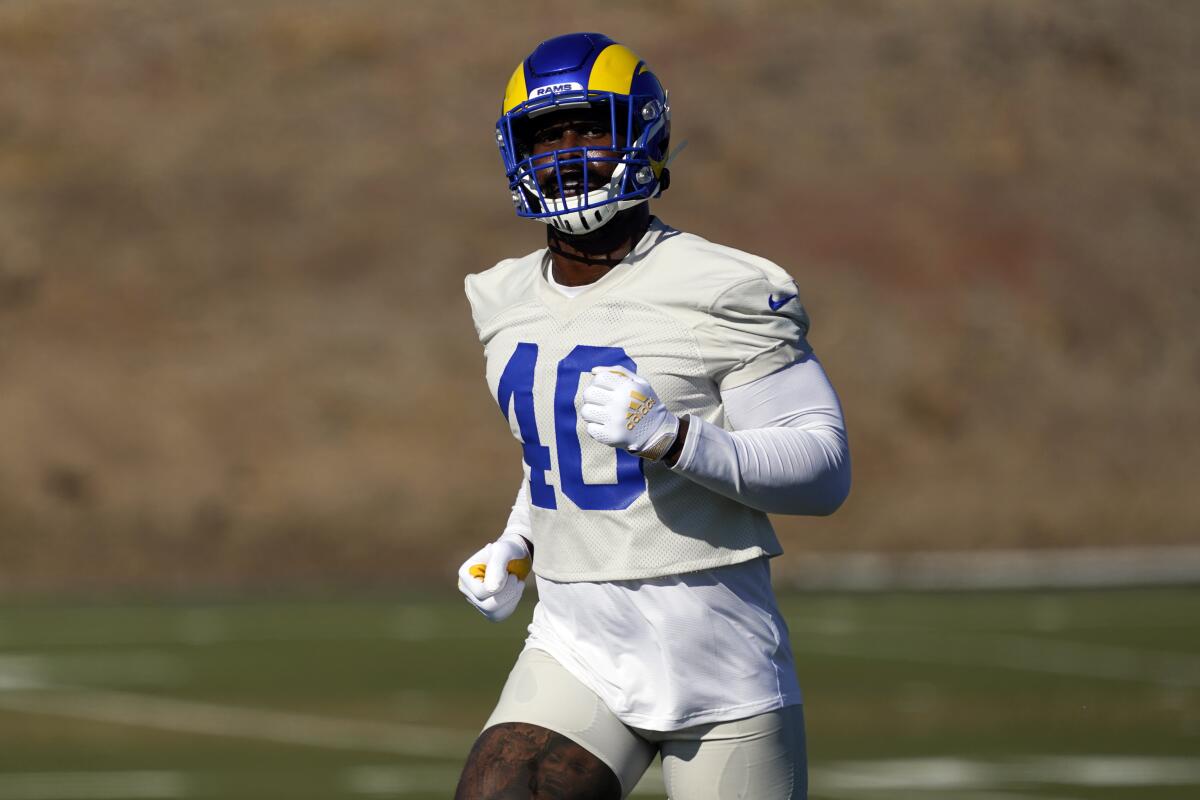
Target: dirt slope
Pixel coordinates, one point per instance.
(234, 349)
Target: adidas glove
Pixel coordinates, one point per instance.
(622, 410)
(493, 579)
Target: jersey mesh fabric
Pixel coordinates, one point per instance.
(694, 318)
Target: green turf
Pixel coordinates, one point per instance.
(354, 699)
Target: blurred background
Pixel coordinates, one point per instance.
(245, 438)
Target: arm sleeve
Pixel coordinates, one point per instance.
(788, 452)
(519, 518)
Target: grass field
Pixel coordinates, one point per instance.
(1050, 695)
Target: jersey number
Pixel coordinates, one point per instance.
(516, 391)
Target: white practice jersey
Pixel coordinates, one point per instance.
(710, 646)
(691, 317)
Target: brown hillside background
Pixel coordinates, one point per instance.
(234, 350)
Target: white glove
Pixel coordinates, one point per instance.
(622, 410)
(493, 579)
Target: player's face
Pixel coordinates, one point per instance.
(560, 130)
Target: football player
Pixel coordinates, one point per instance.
(666, 399)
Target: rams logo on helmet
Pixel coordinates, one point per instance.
(554, 89)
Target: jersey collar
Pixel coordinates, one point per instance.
(562, 306)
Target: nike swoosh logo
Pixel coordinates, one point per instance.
(780, 303)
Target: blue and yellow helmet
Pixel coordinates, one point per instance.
(585, 70)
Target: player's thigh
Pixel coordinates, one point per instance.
(550, 728)
(517, 761)
(762, 757)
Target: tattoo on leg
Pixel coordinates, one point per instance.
(519, 761)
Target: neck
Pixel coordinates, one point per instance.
(580, 260)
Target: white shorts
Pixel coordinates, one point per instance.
(762, 757)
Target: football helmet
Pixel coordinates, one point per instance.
(584, 71)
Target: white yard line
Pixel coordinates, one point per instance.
(110, 666)
(969, 779)
(28, 685)
(924, 794)
(1114, 770)
(158, 785)
(1102, 661)
(392, 780)
(886, 779)
(999, 569)
(961, 773)
(399, 780)
(1024, 653)
(213, 719)
(204, 626)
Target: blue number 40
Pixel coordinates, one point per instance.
(516, 392)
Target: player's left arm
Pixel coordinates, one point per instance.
(788, 454)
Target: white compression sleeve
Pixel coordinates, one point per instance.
(788, 453)
(518, 519)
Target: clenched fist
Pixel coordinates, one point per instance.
(622, 410)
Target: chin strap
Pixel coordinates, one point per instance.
(553, 247)
(664, 175)
(675, 153)
(602, 239)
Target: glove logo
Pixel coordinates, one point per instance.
(639, 406)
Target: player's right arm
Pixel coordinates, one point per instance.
(493, 578)
(787, 453)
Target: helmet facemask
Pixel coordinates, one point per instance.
(565, 188)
